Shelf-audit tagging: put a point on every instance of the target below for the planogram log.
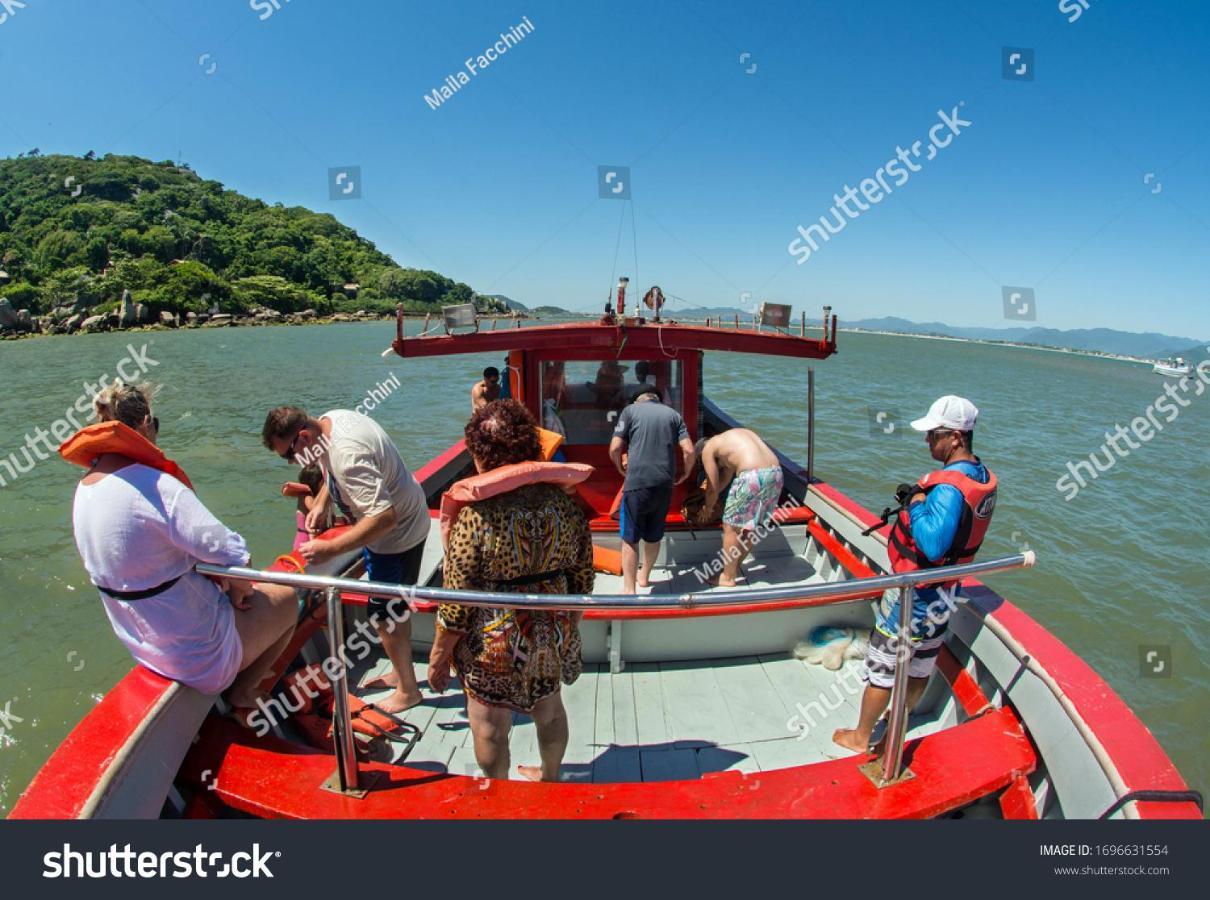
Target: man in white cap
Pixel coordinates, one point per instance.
(942, 524)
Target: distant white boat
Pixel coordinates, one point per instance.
(1177, 368)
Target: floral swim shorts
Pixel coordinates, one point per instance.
(753, 497)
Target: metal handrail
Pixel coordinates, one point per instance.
(347, 776)
(852, 589)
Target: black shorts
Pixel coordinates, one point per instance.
(645, 513)
(392, 568)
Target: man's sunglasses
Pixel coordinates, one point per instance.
(938, 432)
(288, 455)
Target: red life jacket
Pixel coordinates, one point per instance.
(979, 501)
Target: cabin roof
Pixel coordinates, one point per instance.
(609, 337)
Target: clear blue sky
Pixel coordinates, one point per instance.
(498, 186)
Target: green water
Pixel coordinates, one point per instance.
(1122, 565)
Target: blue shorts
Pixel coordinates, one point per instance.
(391, 568)
(644, 513)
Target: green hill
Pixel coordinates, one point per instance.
(81, 230)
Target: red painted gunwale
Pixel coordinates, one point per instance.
(269, 778)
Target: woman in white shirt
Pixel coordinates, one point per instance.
(140, 531)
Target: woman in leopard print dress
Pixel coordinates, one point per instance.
(533, 539)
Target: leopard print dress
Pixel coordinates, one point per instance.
(511, 657)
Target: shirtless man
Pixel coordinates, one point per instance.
(740, 457)
(487, 390)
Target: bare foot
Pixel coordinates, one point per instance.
(848, 738)
(531, 773)
(399, 701)
(382, 682)
(727, 582)
(644, 584)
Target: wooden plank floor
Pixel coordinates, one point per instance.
(659, 722)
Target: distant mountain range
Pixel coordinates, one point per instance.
(1146, 345)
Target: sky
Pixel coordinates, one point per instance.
(1082, 175)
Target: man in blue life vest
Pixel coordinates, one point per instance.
(943, 524)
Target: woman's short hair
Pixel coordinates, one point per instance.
(129, 404)
(501, 433)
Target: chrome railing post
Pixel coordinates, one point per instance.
(810, 424)
(896, 729)
(342, 727)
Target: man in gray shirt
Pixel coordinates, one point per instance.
(649, 433)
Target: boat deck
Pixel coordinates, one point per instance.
(681, 719)
(663, 722)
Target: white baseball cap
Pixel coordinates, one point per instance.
(954, 413)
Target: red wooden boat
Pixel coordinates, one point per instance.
(692, 703)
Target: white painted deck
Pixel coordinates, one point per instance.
(663, 722)
(677, 718)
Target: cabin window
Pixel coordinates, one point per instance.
(581, 399)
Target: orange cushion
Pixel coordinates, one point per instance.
(606, 560)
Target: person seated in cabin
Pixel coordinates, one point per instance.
(643, 377)
(607, 389)
(739, 462)
(367, 479)
(140, 529)
(647, 434)
(487, 390)
(554, 396)
(530, 539)
(942, 522)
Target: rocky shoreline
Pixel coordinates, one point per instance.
(131, 316)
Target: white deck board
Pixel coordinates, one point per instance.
(783, 754)
(694, 707)
(625, 721)
(662, 722)
(648, 704)
(580, 701)
(756, 708)
(797, 683)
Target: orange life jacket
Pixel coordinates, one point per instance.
(549, 442)
(979, 502)
(92, 441)
(501, 481)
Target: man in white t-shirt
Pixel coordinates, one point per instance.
(366, 477)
